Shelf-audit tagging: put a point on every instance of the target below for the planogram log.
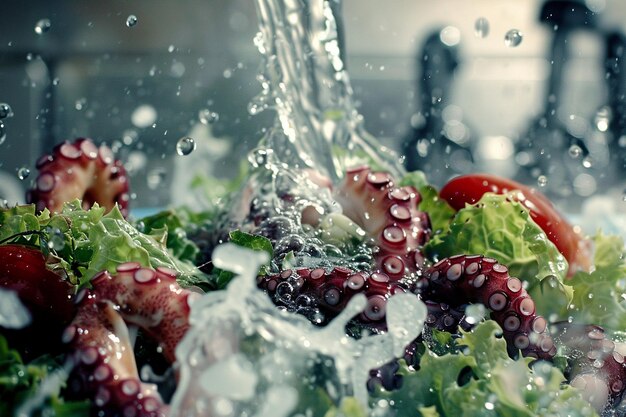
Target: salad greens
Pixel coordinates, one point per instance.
(86, 242)
(600, 295)
(476, 377)
(500, 228)
(20, 381)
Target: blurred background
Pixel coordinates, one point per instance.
(456, 86)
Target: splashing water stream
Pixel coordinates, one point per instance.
(243, 356)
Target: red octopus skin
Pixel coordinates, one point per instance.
(80, 170)
(390, 216)
(331, 291)
(596, 358)
(103, 356)
(462, 279)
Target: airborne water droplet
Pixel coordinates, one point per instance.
(542, 181)
(3, 133)
(42, 26)
(208, 117)
(481, 27)
(23, 173)
(513, 38)
(185, 146)
(5, 111)
(131, 20)
(575, 151)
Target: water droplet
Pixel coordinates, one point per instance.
(171, 48)
(489, 406)
(42, 26)
(5, 111)
(587, 162)
(144, 116)
(542, 181)
(481, 27)
(575, 151)
(23, 173)
(513, 38)
(603, 119)
(207, 116)
(80, 103)
(131, 20)
(56, 241)
(3, 133)
(55, 81)
(155, 178)
(185, 146)
(474, 313)
(260, 156)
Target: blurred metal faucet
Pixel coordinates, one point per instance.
(438, 141)
(616, 108)
(551, 151)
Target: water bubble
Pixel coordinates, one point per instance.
(171, 48)
(144, 116)
(42, 26)
(542, 181)
(3, 133)
(603, 119)
(5, 111)
(155, 178)
(56, 241)
(80, 103)
(575, 151)
(481, 27)
(207, 116)
(23, 173)
(185, 146)
(587, 162)
(513, 38)
(131, 20)
(260, 157)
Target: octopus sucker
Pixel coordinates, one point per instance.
(80, 170)
(390, 216)
(105, 366)
(462, 279)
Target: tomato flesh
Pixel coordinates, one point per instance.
(468, 189)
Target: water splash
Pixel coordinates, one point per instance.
(305, 80)
(244, 356)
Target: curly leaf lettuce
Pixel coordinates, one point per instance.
(600, 296)
(438, 209)
(86, 242)
(503, 229)
(480, 379)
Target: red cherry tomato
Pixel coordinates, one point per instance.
(23, 269)
(468, 189)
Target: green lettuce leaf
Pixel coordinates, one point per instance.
(222, 278)
(600, 296)
(503, 229)
(19, 381)
(168, 226)
(349, 407)
(438, 209)
(86, 242)
(480, 379)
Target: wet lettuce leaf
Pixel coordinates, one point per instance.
(349, 407)
(20, 381)
(480, 379)
(502, 229)
(86, 242)
(600, 296)
(438, 209)
(168, 226)
(246, 240)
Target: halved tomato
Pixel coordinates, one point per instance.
(468, 189)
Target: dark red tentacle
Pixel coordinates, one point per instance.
(477, 279)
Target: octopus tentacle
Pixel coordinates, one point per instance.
(102, 351)
(461, 279)
(80, 170)
(599, 369)
(390, 217)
